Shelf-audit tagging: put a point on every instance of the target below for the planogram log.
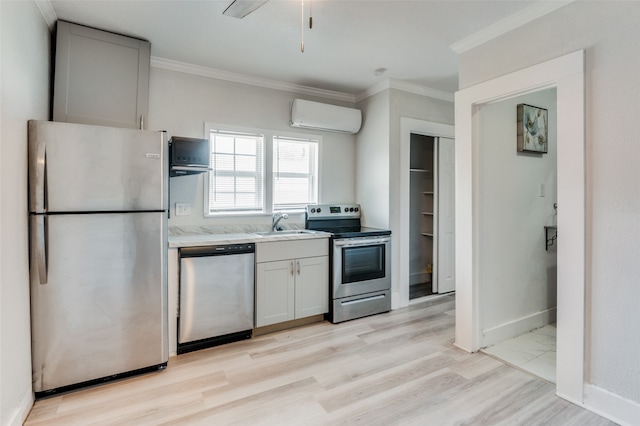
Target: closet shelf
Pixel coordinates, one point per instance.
(420, 170)
(427, 234)
(428, 192)
(428, 213)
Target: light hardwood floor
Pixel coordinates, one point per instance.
(398, 368)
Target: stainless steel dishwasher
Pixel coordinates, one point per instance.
(216, 295)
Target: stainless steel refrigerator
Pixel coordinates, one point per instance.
(98, 245)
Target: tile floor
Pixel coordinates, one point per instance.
(534, 352)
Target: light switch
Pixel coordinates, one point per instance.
(541, 190)
(183, 209)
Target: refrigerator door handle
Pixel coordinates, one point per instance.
(37, 172)
(41, 247)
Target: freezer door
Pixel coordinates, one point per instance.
(103, 310)
(75, 167)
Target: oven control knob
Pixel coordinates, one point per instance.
(319, 210)
(351, 209)
(313, 210)
(357, 209)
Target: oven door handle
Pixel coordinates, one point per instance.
(357, 242)
(366, 299)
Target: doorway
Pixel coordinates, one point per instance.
(429, 131)
(423, 208)
(566, 74)
(516, 206)
(431, 212)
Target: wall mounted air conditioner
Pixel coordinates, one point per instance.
(319, 116)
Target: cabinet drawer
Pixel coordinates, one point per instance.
(291, 249)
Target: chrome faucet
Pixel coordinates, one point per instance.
(275, 219)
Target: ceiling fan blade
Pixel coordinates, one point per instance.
(241, 8)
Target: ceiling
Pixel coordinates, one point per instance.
(349, 40)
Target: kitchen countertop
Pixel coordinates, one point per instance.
(206, 236)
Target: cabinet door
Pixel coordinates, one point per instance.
(101, 78)
(275, 282)
(312, 286)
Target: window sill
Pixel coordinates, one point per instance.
(250, 214)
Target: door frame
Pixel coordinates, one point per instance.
(407, 127)
(566, 74)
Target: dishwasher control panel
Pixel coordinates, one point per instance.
(217, 250)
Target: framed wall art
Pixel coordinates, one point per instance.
(533, 128)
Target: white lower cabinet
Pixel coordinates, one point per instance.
(289, 287)
(312, 286)
(275, 292)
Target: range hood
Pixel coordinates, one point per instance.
(188, 156)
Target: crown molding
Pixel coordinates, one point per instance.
(422, 90)
(218, 74)
(405, 87)
(376, 88)
(510, 23)
(46, 10)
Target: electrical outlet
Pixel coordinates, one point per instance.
(183, 209)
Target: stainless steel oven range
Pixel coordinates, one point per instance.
(360, 261)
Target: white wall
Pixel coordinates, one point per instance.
(517, 276)
(24, 82)
(181, 103)
(405, 104)
(608, 32)
(378, 170)
(372, 161)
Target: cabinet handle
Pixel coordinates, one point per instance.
(298, 262)
(292, 268)
(142, 122)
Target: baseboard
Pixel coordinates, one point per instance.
(517, 327)
(419, 278)
(396, 302)
(260, 331)
(22, 411)
(611, 406)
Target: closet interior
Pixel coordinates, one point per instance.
(423, 216)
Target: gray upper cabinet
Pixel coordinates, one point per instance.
(101, 78)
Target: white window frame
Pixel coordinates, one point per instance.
(267, 208)
(314, 176)
(259, 173)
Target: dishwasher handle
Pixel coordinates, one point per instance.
(220, 250)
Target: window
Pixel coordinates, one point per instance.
(259, 172)
(294, 173)
(236, 182)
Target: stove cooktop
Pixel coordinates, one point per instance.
(342, 220)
